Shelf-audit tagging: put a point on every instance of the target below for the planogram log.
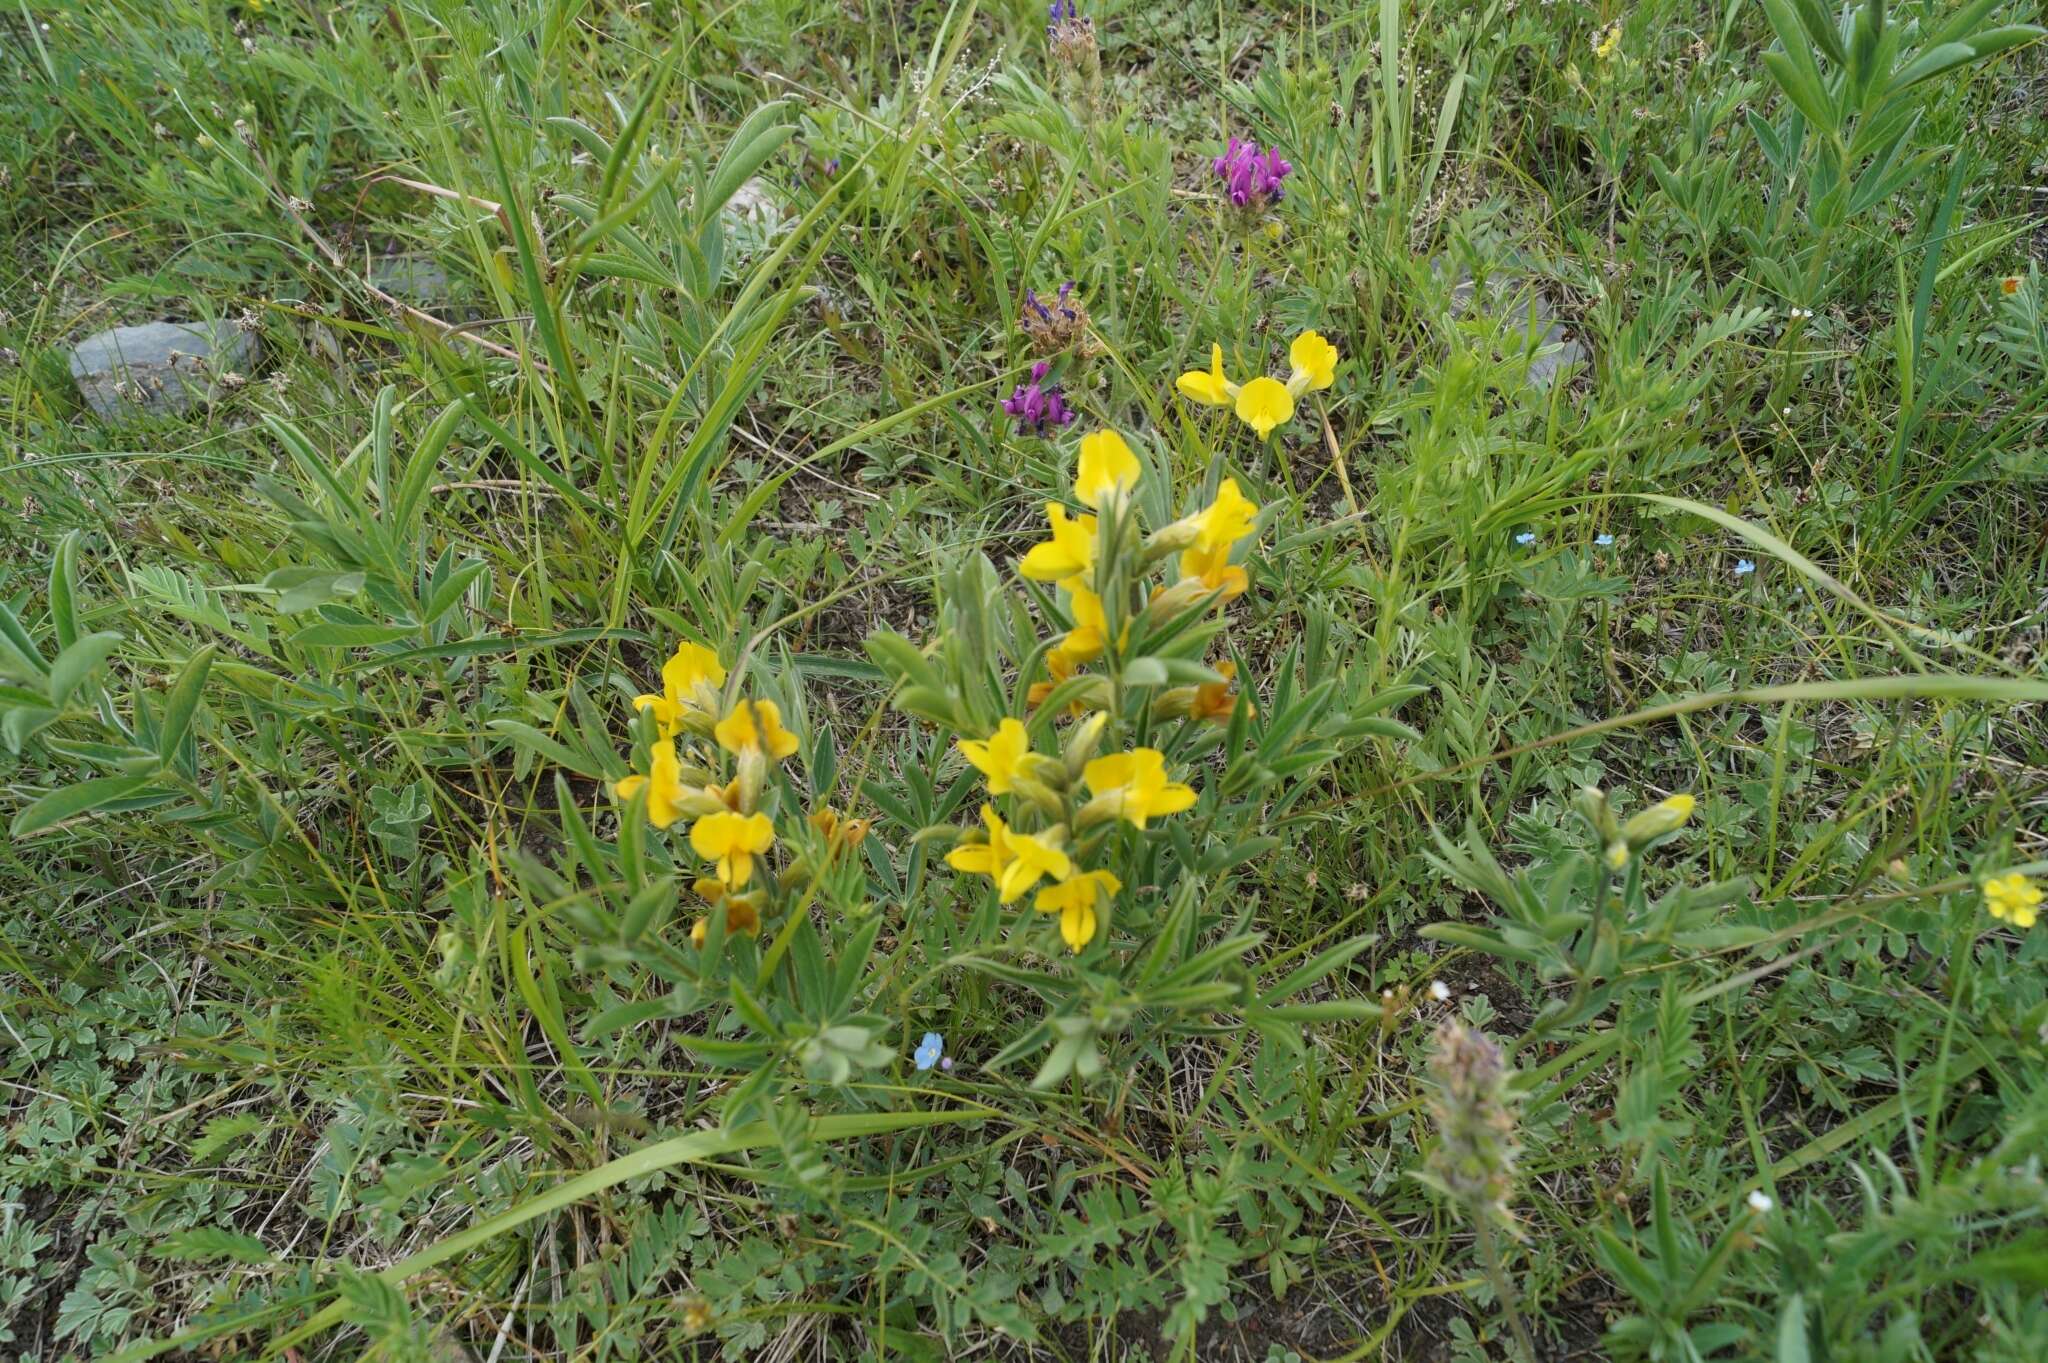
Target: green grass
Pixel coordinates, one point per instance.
(347, 1018)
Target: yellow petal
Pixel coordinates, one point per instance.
(1077, 925)
(975, 859)
(1107, 470)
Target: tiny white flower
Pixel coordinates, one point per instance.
(1760, 1202)
(1439, 991)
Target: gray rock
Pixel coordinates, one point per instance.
(1516, 296)
(161, 368)
(753, 202)
(414, 278)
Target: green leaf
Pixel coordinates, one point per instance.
(1931, 63)
(529, 737)
(77, 662)
(222, 1132)
(1792, 1347)
(183, 703)
(19, 656)
(300, 588)
(1821, 28)
(1803, 90)
(74, 801)
(753, 142)
(204, 1243)
(336, 634)
(63, 590)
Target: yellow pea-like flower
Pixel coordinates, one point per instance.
(756, 725)
(1263, 404)
(1209, 387)
(732, 841)
(1134, 786)
(1002, 757)
(1315, 363)
(664, 785)
(1077, 901)
(1091, 626)
(1107, 471)
(1014, 861)
(1228, 519)
(1214, 570)
(1069, 554)
(689, 683)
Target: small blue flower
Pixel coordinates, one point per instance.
(1526, 538)
(1743, 567)
(1604, 541)
(929, 1050)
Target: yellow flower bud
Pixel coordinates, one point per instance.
(1660, 819)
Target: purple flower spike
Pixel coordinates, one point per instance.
(1038, 405)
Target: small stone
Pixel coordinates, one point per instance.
(1515, 293)
(753, 201)
(412, 277)
(159, 368)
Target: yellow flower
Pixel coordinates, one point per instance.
(1216, 701)
(1075, 900)
(732, 841)
(689, 682)
(2009, 285)
(1214, 570)
(2012, 898)
(755, 724)
(1091, 626)
(1607, 44)
(1210, 389)
(1069, 554)
(1133, 786)
(665, 789)
(1107, 471)
(1002, 757)
(1014, 861)
(1315, 363)
(1226, 520)
(1263, 404)
(742, 918)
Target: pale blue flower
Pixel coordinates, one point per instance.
(1526, 538)
(1604, 541)
(929, 1050)
(1743, 567)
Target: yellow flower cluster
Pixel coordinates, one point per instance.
(1133, 787)
(1264, 403)
(1106, 475)
(1062, 807)
(728, 829)
(2012, 898)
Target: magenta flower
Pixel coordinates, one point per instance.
(1038, 405)
(1250, 177)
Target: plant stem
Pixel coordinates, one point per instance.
(1503, 1289)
